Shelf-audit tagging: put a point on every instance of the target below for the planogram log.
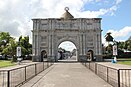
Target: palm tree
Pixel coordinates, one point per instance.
(108, 37)
(129, 44)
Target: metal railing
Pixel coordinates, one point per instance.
(17, 76)
(115, 77)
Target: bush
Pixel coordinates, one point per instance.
(107, 56)
(14, 59)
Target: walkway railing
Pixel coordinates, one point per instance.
(115, 77)
(17, 76)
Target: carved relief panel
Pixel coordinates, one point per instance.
(44, 24)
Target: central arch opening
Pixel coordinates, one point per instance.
(67, 51)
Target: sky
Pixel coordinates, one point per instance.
(16, 15)
(67, 45)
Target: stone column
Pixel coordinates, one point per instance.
(38, 45)
(52, 45)
(99, 55)
(100, 44)
(33, 45)
(80, 42)
(84, 44)
(37, 40)
(96, 41)
(49, 43)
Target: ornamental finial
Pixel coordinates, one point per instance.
(66, 8)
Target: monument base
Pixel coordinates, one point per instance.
(82, 58)
(99, 58)
(51, 58)
(36, 59)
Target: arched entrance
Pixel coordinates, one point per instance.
(43, 55)
(67, 51)
(90, 55)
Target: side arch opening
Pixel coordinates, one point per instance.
(43, 55)
(90, 56)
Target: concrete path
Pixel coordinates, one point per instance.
(67, 75)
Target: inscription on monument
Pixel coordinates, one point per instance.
(66, 25)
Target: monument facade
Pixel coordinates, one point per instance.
(49, 33)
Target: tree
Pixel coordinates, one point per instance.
(109, 38)
(4, 40)
(11, 49)
(125, 45)
(8, 45)
(120, 45)
(26, 46)
(109, 49)
(129, 43)
(129, 38)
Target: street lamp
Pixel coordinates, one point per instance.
(115, 51)
(18, 53)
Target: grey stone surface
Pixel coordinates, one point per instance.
(67, 75)
(49, 33)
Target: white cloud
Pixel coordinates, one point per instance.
(118, 1)
(98, 0)
(67, 45)
(121, 34)
(16, 15)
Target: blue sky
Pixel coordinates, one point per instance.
(16, 15)
(120, 19)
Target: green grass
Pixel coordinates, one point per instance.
(125, 62)
(6, 63)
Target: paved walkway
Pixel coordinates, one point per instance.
(67, 75)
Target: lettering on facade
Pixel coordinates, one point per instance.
(65, 25)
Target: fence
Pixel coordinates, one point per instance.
(115, 77)
(17, 76)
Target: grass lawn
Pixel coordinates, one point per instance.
(6, 63)
(125, 62)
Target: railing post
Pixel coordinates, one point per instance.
(89, 65)
(96, 68)
(8, 79)
(118, 71)
(107, 75)
(35, 70)
(85, 63)
(43, 65)
(25, 73)
(47, 64)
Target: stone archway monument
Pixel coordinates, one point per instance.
(85, 33)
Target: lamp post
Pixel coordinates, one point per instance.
(18, 53)
(115, 51)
